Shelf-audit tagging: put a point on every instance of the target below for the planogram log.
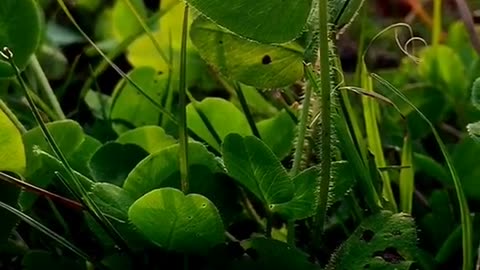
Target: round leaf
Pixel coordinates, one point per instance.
(252, 63)
(20, 31)
(249, 161)
(177, 222)
(273, 21)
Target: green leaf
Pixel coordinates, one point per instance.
(177, 222)
(304, 202)
(45, 176)
(278, 133)
(37, 260)
(20, 23)
(273, 21)
(216, 110)
(114, 202)
(99, 104)
(130, 106)
(436, 67)
(474, 130)
(67, 134)
(12, 153)
(81, 156)
(344, 11)
(260, 65)
(113, 162)
(143, 52)
(273, 254)
(150, 138)
(124, 21)
(249, 161)
(160, 168)
(382, 241)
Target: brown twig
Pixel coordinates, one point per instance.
(467, 19)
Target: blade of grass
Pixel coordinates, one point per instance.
(465, 218)
(74, 184)
(406, 180)
(246, 109)
(51, 234)
(370, 111)
(437, 23)
(114, 66)
(182, 96)
(149, 33)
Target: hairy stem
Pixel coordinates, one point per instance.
(325, 133)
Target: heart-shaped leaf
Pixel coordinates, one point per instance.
(20, 23)
(160, 169)
(273, 21)
(260, 65)
(249, 161)
(177, 222)
(12, 153)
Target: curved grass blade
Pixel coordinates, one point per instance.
(74, 185)
(54, 236)
(467, 234)
(114, 66)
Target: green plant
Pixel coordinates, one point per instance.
(169, 178)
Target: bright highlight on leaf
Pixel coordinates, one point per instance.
(177, 222)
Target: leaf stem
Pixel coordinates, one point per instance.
(182, 96)
(45, 86)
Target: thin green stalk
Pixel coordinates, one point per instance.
(78, 190)
(299, 147)
(57, 238)
(246, 109)
(437, 22)
(4, 108)
(182, 96)
(147, 31)
(325, 132)
(467, 228)
(406, 179)
(46, 88)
